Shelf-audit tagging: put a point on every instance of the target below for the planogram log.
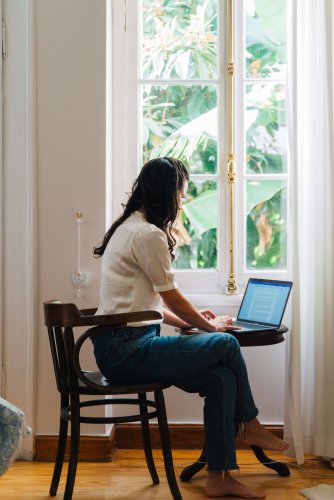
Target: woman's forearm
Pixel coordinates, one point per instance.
(171, 319)
(186, 311)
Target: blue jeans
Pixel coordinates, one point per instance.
(210, 364)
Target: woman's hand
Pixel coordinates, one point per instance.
(202, 320)
(224, 323)
(208, 314)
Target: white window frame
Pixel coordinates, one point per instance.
(125, 155)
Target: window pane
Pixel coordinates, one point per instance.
(181, 121)
(179, 39)
(265, 126)
(266, 224)
(265, 32)
(196, 232)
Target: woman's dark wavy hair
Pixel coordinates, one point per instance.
(155, 190)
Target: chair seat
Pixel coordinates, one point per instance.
(107, 388)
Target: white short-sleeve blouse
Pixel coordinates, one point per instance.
(136, 266)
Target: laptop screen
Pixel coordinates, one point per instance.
(264, 301)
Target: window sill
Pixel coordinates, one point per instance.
(215, 300)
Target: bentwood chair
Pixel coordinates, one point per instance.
(73, 382)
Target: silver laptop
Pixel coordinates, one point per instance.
(263, 305)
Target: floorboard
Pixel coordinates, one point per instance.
(127, 478)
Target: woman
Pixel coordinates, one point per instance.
(137, 276)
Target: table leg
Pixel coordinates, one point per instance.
(192, 469)
(279, 467)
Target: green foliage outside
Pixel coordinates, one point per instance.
(199, 217)
(180, 42)
(266, 225)
(179, 39)
(166, 110)
(266, 129)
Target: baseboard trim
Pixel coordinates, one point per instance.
(128, 436)
(182, 436)
(92, 448)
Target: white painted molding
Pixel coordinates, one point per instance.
(31, 219)
(1, 219)
(19, 252)
(109, 143)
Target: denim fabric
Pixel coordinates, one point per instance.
(210, 364)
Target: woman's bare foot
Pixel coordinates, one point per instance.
(253, 433)
(221, 485)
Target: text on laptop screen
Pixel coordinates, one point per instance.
(264, 302)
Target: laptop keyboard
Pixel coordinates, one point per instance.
(251, 326)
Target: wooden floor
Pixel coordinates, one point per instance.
(127, 478)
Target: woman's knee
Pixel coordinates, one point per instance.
(228, 341)
(233, 340)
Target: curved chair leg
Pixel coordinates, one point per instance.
(191, 470)
(281, 469)
(166, 446)
(63, 426)
(147, 441)
(74, 452)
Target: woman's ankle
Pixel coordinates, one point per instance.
(215, 474)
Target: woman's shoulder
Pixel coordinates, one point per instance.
(142, 226)
(145, 234)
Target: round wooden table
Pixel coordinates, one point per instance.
(247, 339)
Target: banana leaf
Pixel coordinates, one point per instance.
(202, 211)
(272, 16)
(259, 192)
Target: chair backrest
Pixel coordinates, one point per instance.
(55, 316)
(60, 319)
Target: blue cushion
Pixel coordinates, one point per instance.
(12, 429)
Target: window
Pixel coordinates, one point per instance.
(171, 96)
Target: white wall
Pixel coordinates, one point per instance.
(70, 84)
(69, 176)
